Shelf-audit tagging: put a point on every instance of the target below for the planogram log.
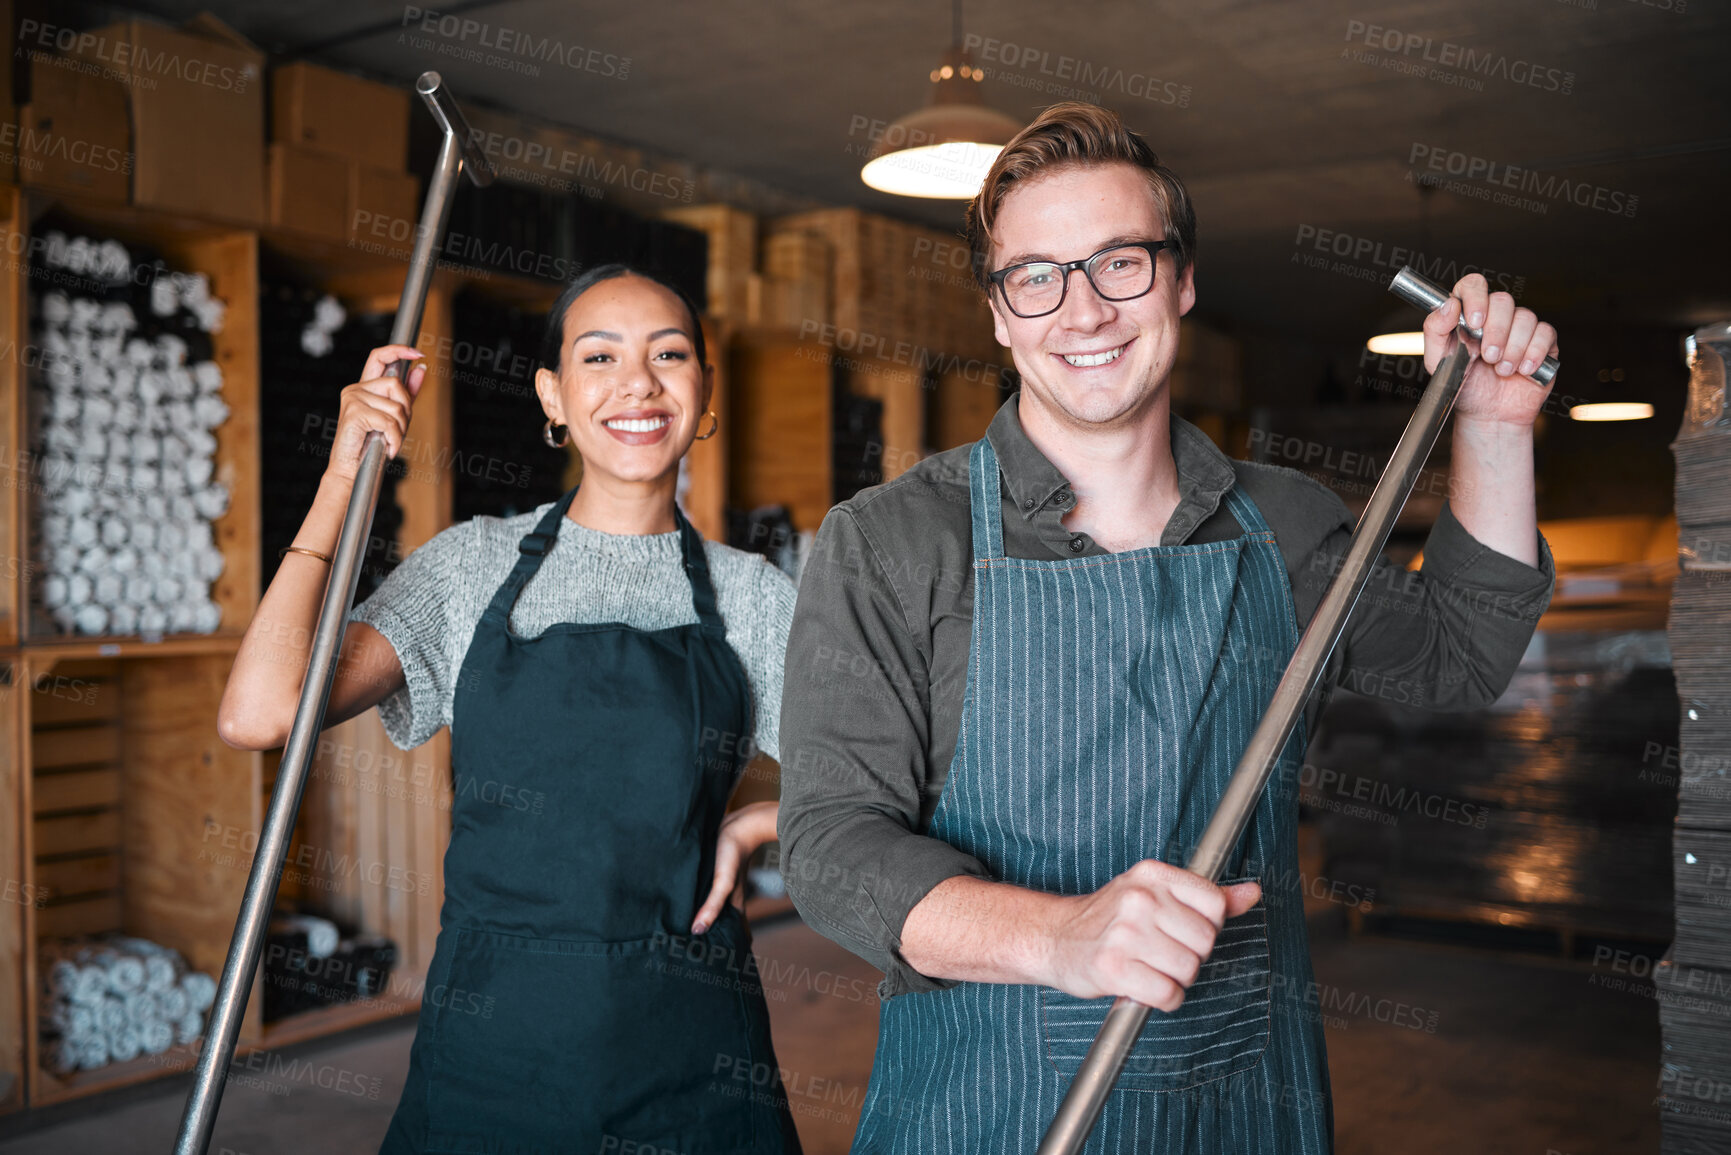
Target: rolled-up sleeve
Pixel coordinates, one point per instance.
(1447, 636)
(854, 735)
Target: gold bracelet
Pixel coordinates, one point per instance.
(288, 549)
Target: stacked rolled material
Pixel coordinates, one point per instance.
(124, 397)
(113, 999)
(1694, 987)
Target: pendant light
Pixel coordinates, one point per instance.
(1612, 374)
(944, 150)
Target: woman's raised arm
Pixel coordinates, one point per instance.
(258, 705)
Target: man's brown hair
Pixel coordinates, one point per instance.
(1077, 135)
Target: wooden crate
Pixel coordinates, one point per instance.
(780, 409)
(732, 256)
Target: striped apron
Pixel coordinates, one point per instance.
(1108, 701)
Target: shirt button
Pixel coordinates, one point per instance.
(1077, 545)
(1028, 504)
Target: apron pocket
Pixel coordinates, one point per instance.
(549, 1045)
(1221, 1030)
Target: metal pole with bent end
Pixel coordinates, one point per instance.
(1099, 1072)
(457, 155)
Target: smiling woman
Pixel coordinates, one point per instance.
(597, 654)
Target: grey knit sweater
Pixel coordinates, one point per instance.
(430, 604)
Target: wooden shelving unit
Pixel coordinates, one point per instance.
(128, 807)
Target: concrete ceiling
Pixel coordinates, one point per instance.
(1286, 118)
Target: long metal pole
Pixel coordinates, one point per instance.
(1099, 1071)
(199, 1116)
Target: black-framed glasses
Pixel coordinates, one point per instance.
(1117, 272)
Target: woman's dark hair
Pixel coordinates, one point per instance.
(553, 340)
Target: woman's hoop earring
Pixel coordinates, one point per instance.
(714, 425)
(554, 435)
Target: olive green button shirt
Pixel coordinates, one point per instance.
(877, 657)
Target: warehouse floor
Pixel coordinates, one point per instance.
(1529, 1056)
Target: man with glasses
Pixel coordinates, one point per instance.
(1020, 675)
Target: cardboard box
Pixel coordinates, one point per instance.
(74, 135)
(341, 115)
(309, 192)
(382, 204)
(197, 117)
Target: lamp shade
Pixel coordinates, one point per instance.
(942, 151)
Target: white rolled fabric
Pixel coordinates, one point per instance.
(150, 385)
(125, 973)
(210, 410)
(54, 591)
(141, 1005)
(188, 1028)
(145, 478)
(194, 289)
(78, 590)
(140, 353)
(163, 297)
(78, 1020)
(181, 386)
(64, 407)
(85, 311)
(169, 590)
(315, 342)
(139, 589)
(127, 415)
(123, 618)
(99, 415)
(60, 1056)
(91, 619)
(114, 530)
(123, 1045)
(80, 256)
(116, 476)
(78, 501)
(61, 976)
(207, 375)
(328, 314)
(125, 375)
(156, 1036)
(181, 618)
(125, 561)
(156, 506)
(56, 308)
(322, 934)
(56, 528)
(62, 375)
(171, 353)
(198, 472)
(113, 262)
(95, 376)
(181, 416)
(119, 444)
(152, 620)
(171, 535)
(210, 315)
(211, 563)
(92, 1054)
(93, 562)
(200, 988)
(56, 344)
(63, 559)
(200, 441)
(83, 533)
(60, 438)
(211, 502)
(144, 533)
(110, 1014)
(117, 316)
(82, 348)
(107, 590)
(146, 447)
(209, 617)
(65, 619)
(172, 1002)
(152, 565)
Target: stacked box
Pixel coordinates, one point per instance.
(1695, 1083)
(338, 158)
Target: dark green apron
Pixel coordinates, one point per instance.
(568, 1007)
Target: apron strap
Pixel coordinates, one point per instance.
(984, 501)
(531, 551)
(697, 572)
(1244, 512)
